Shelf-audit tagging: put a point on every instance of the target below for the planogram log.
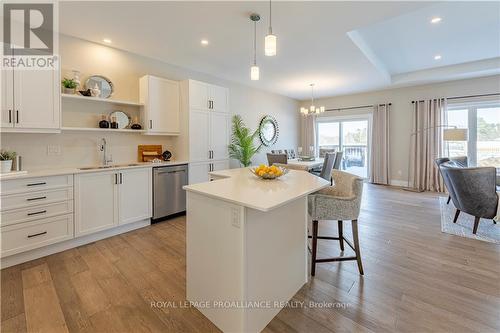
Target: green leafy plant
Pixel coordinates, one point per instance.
(6, 155)
(242, 146)
(69, 83)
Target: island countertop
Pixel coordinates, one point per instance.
(241, 187)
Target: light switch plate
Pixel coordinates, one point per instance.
(53, 150)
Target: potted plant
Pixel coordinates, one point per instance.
(242, 146)
(69, 86)
(6, 158)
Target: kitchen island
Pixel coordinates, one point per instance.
(246, 241)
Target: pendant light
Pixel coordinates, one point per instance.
(270, 41)
(312, 109)
(254, 70)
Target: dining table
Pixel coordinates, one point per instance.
(297, 162)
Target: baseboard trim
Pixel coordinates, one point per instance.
(69, 244)
(399, 183)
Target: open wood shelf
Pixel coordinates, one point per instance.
(101, 100)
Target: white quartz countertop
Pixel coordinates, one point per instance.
(241, 187)
(84, 169)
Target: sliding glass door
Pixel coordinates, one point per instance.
(483, 122)
(349, 135)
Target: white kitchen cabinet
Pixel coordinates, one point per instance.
(96, 202)
(135, 195)
(7, 98)
(161, 100)
(199, 135)
(31, 101)
(205, 96)
(220, 165)
(219, 135)
(198, 172)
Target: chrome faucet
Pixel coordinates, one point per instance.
(103, 147)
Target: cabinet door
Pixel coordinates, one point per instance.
(218, 96)
(198, 172)
(96, 204)
(37, 99)
(220, 165)
(199, 138)
(163, 106)
(219, 135)
(198, 95)
(134, 195)
(7, 116)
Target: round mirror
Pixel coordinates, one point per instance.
(268, 130)
(100, 86)
(121, 118)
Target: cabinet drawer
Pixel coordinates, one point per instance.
(31, 235)
(14, 201)
(35, 184)
(14, 216)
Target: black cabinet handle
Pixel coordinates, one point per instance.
(38, 234)
(121, 178)
(37, 198)
(36, 213)
(10, 116)
(17, 116)
(150, 124)
(37, 184)
(116, 179)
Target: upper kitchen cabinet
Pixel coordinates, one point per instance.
(161, 100)
(31, 101)
(205, 96)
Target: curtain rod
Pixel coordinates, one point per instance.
(469, 96)
(355, 107)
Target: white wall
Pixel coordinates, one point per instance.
(400, 119)
(125, 69)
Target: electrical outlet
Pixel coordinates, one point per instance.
(235, 217)
(53, 150)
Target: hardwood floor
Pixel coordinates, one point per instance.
(417, 279)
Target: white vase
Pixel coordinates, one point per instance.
(6, 166)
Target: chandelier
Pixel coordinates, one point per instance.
(312, 109)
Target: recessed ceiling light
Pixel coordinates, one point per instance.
(436, 20)
(204, 42)
(107, 40)
(437, 57)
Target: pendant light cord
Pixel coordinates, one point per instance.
(255, 43)
(270, 19)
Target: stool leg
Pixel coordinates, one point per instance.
(341, 235)
(314, 246)
(457, 213)
(448, 201)
(476, 224)
(356, 245)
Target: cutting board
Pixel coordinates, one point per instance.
(147, 153)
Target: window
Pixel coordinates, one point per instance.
(483, 122)
(348, 135)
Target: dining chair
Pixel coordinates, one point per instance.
(338, 160)
(327, 169)
(340, 202)
(279, 151)
(276, 158)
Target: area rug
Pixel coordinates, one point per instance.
(487, 230)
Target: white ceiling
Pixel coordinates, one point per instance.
(313, 41)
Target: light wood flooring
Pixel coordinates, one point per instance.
(417, 279)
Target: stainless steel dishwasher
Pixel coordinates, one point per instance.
(168, 196)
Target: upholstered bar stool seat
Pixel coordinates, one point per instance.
(341, 202)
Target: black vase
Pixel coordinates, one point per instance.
(104, 124)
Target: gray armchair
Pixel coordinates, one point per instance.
(472, 190)
(339, 202)
(458, 162)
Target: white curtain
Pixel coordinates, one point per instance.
(427, 144)
(308, 133)
(379, 155)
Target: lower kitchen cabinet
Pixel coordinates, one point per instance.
(135, 195)
(199, 172)
(107, 199)
(96, 202)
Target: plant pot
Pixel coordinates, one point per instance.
(69, 91)
(6, 166)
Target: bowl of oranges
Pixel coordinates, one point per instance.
(268, 172)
